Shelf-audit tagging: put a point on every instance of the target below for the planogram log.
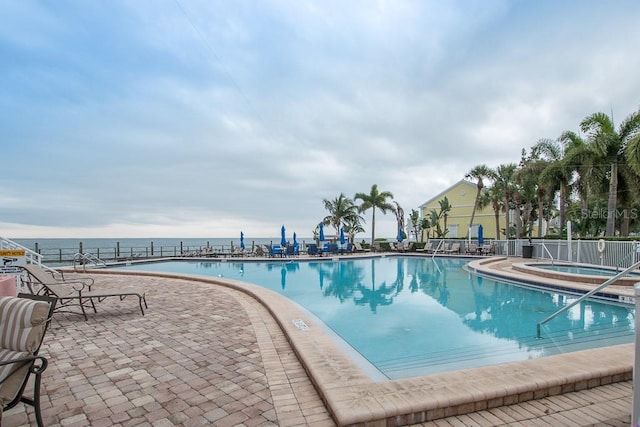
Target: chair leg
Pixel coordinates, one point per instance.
(37, 380)
(36, 400)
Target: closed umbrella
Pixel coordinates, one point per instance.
(242, 240)
(480, 235)
(400, 235)
(321, 236)
(283, 240)
(342, 241)
(295, 244)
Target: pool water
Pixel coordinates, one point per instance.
(411, 316)
(586, 270)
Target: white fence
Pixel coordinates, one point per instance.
(620, 255)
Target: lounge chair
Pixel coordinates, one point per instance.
(472, 249)
(488, 250)
(325, 248)
(312, 249)
(428, 248)
(24, 323)
(453, 249)
(73, 292)
(237, 252)
(275, 250)
(291, 250)
(442, 247)
(358, 248)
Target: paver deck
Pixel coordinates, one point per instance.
(221, 354)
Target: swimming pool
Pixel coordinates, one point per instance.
(411, 316)
(589, 270)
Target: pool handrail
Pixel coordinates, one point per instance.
(547, 251)
(629, 255)
(587, 295)
(440, 243)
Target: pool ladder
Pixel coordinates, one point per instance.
(587, 295)
(87, 259)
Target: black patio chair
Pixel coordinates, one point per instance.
(24, 323)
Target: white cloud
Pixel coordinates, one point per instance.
(152, 119)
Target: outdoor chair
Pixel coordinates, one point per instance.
(275, 250)
(488, 250)
(73, 292)
(292, 250)
(453, 249)
(25, 319)
(312, 249)
(237, 252)
(358, 248)
(428, 248)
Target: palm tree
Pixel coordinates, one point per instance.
(341, 210)
(353, 226)
(506, 187)
(445, 208)
(416, 228)
(613, 148)
(580, 160)
(375, 199)
(558, 172)
(479, 173)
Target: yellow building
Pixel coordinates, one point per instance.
(462, 197)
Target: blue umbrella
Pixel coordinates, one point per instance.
(400, 234)
(283, 240)
(480, 235)
(321, 237)
(242, 240)
(295, 242)
(342, 236)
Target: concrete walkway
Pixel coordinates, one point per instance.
(209, 355)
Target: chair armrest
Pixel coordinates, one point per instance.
(36, 368)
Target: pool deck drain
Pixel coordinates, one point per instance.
(209, 353)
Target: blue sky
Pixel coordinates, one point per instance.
(179, 118)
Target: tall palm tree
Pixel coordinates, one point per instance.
(341, 210)
(375, 199)
(580, 160)
(557, 174)
(478, 173)
(506, 186)
(612, 147)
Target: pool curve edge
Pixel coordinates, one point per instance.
(354, 399)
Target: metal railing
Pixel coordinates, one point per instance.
(587, 295)
(31, 256)
(87, 260)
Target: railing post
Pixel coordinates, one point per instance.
(635, 420)
(151, 248)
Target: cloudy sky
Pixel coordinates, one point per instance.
(200, 118)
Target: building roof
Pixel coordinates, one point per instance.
(434, 199)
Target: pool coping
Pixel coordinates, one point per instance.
(354, 399)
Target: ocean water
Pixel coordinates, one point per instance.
(62, 251)
(91, 243)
